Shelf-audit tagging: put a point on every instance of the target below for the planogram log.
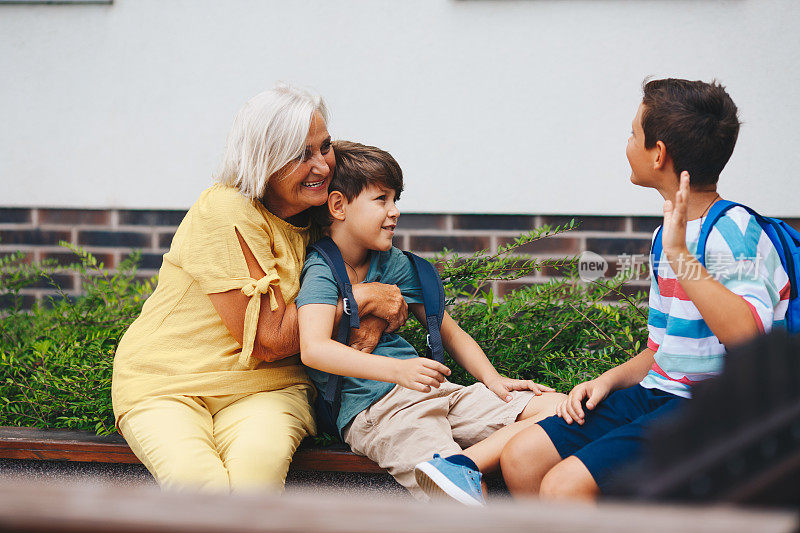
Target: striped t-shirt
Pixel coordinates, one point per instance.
(740, 256)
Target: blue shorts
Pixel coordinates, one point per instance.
(613, 433)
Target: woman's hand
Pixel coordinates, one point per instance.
(502, 387)
(365, 338)
(383, 301)
(595, 390)
(420, 373)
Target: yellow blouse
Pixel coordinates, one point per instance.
(179, 344)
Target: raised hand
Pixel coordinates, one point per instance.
(673, 236)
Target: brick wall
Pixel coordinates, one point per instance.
(113, 233)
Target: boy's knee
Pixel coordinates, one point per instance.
(519, 451)
(526, 458)
(568, 479)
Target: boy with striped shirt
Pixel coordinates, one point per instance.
(740, 256)
(683, 134)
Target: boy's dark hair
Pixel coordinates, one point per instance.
(357, 166)
(696, 121)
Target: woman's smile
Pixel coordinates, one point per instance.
(315, 185)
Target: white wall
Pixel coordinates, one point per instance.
(491, 106)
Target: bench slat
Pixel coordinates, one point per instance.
(70, 445)
(84, 508)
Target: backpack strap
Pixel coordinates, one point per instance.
(656, 253)
(333, 258)
(716, 212)
(790, 254)
(433, 298)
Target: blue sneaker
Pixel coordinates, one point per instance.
(439, 477)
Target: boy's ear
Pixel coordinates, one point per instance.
(336, 205)
(661, 156)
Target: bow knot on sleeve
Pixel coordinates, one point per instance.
(253, 289)
(263, 286)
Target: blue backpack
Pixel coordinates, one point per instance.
(328, 401)
(785, 239)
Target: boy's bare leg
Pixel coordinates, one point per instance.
(527, 459)
(486, 453)
(569, 479)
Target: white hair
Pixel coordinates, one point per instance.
(268, 132)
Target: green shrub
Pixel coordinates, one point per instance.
(560, 332)
(56, 359)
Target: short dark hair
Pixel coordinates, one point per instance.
(696, 121)
(358, 166)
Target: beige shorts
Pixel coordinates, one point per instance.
(406, 427)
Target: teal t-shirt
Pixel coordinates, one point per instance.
(318, 286)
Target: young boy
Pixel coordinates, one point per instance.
(398, 409)
(683, 135)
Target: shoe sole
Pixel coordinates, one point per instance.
(434, 483)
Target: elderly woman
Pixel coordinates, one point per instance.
(207, 387)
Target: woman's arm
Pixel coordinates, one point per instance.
(277, 335)
(381, 308)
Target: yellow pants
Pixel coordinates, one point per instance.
(220, 443)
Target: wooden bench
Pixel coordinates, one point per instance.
(87, 508)
(68, 445)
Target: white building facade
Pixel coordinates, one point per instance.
(504, 114)
(490, 106)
